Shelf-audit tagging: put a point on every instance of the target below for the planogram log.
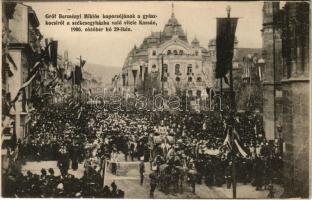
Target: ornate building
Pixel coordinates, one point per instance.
(286, 89)
(168, 63)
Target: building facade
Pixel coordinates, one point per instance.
(287, 88)
(23, 48)
(166, 62)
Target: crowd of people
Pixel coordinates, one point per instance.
(48, 185)
(191, 146)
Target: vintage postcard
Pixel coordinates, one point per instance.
(155, 99)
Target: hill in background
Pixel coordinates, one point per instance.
(102, 73)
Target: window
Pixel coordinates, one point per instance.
(178, 79)
(199, 79)
(165, 68)
(154, 66)
(196, 53)
(175, 52)
(141, 71)
(189, 69)
(177, 69)
(181, 52)
(198, 93)
(154, 53)
(168, 52)
(190, 79)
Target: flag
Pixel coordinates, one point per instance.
(78, 75)
(82, 62)
(237, 146)
(240, 149)
(24, 85)
(226, 28)
(80, 111)
(11, 64)
(68, 74)
(53, 53)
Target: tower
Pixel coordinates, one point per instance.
(271, 48)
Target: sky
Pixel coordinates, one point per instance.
(111, 48)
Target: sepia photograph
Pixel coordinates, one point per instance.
(156, 99)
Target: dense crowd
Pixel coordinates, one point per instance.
(48, 185)
(191, 145)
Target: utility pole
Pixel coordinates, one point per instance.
(274, 64)
(232, 112)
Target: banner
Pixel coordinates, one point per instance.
(225, 45)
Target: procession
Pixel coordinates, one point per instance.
(177, 118)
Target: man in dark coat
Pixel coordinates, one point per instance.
(228, 175)
(141, 170)
(153, 184)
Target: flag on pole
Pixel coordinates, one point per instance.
(240, 149)
(227, 141)
(23, 86)
(82, 62)
(78, 75)
(226, 28)
(53, 53)
(80, 111)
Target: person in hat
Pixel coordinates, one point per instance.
(228, 175)
(153, 184)
(141, 170)
(114, 160)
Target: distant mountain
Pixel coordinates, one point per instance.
(102, 72)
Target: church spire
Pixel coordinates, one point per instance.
(172, 9)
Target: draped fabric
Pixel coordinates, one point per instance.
(226, 28)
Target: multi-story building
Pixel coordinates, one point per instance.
(167, 63)
(272, 48)
(286, 88)
(24, 48)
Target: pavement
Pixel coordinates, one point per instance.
(128, 180)
(35, 167)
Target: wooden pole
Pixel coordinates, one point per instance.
(232, 110)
